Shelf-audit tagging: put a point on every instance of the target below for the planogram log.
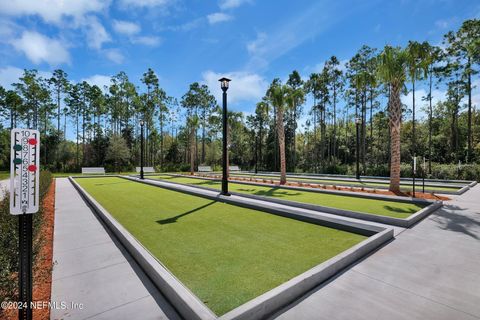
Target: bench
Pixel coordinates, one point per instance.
(234, 168)
(146, 169)
(204, 169)
(93, 170)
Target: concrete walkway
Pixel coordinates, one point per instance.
(431, 271)
(4, 187)
(92, 268)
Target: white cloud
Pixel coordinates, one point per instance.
(245, 86)
(53, 11)
(147, 40)
(126, 27)
(99, 80)
(39, 48)
(114, 55)
(96, 34)
(144, 3)
(231, 4)
(218, 17)
(10, 74)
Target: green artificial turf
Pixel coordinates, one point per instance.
(403, 185)
(379, 207)
(227, 255)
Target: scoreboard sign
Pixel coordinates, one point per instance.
(24, 171)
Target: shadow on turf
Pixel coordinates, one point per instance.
(175, 218)
(399, 210)
(107, 184)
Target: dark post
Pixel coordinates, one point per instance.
(414, 173)
(25, 277)
(357, 148)
(141, 149)
(423, 175)
(224, 85)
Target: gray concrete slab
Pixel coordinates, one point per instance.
(429, 272)
(4, 187)
(91, 267)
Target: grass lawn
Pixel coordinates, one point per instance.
(4, 175)
(403, 185)
(227, 255)
(378, 207)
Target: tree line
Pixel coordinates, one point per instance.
(319, 123)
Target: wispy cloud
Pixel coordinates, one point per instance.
(287, 35)
(96, 34)
(218, 17)
(114, 55)
(151, 41)
(256, 46)
(125, 27)
(231, 4)
(144, 3)
(39, 48)
(99, 80)
(246, 86)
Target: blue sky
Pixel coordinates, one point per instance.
(251, 41)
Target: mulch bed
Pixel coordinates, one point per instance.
(42, 270)
(421, 195)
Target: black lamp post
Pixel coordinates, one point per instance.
(358, 121)
(224, 85)
(141, 148)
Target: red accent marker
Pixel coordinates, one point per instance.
(32, 168)
(32, 141)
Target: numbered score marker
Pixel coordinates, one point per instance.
(24, 171)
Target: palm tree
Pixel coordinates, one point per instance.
(392, 64)
(416, 71)
(277, 94)
(193, 123)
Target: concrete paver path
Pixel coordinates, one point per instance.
(431, 271)
(92, 268)
(4, 187)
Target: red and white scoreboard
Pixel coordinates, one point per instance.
(24, 171)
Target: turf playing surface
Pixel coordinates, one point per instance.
(404, 185)
(372, 206)
(225, 254)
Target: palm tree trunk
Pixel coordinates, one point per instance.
(395, 115)
(281, 143)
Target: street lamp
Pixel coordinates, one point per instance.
(358, 122)
(141, 148)
(224, 85)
